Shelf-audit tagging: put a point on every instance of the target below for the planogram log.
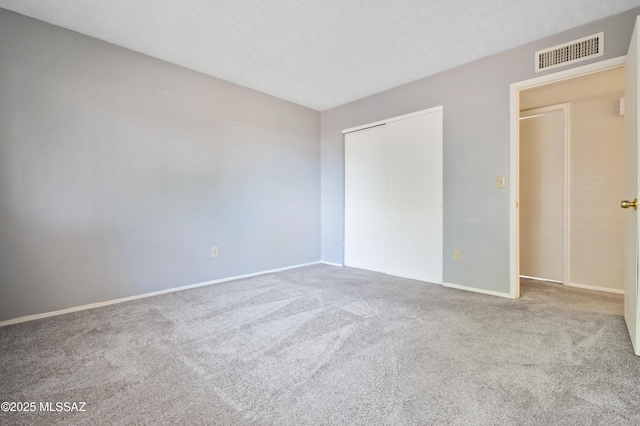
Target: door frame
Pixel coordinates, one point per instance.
(566, 170)
(514, 153)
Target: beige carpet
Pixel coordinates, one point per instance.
(324, 345)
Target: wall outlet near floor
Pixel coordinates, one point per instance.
(457, 255)
(214, 251)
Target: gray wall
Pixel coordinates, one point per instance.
(118, 172)
(476, 151)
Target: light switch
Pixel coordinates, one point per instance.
(502, 182)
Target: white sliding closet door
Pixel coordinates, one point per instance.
(393, 196)
(414, 197)
(364, 239)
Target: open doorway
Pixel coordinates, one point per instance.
(572, 161)
(589, 169)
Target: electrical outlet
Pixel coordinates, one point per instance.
(457, 255)
(214, 251)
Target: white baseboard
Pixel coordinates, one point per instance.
(540, 279)
(591, 287)
(26, 318)
(478, 290)
(332, 264)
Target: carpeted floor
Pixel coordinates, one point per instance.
(325, 345)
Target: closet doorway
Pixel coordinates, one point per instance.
(572, 178)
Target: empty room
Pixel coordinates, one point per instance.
(363, 212)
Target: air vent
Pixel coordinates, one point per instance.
(571, 52)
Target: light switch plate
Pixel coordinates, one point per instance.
(501, 182)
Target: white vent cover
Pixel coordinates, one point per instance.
(568, 53)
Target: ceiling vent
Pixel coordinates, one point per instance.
(568, 53)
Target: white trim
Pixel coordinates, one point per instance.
(391, 120)
(567, 194)
(478, 290)
(530, 116)
(540, 279)
(331, 263)
(26, 318)
(570, 73)
(538, 112)
(591, 287)
(514, 96)
(514, 168)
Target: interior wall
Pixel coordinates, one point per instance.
(597, 174)
(476, 100)
(597, 186)
(119, 172)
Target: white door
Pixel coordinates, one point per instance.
(365, 198)
(414, 197)
(542, 198)
(393, 196)
(631, 225)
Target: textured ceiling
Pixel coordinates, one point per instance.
(318, 53)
